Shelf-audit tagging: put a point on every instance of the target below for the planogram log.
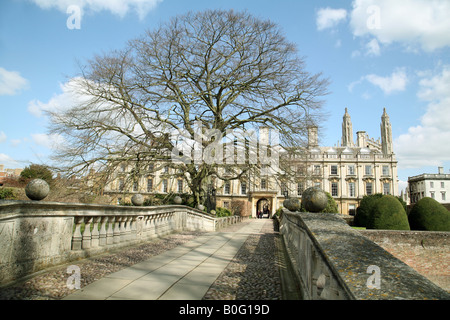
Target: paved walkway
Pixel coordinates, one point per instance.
(183, 273)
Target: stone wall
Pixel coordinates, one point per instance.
(426, 252)
(334, 261)
(38, 235)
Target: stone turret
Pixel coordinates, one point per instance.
(386, 134)
(347, 130)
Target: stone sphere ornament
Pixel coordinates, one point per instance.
(314, 199)
(37, 189)
(292, 204)
(137, 200)
(177, 200)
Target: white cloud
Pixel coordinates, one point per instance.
(117, 7)
(49, 141)
(11, 82)
(373, 48)
(7, 161)
(329, 18)
(397, 81)
(427, 144)
(413, 23)
(2, 137)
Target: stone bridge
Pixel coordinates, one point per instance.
(329, 259)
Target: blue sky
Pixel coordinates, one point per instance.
(377, 53)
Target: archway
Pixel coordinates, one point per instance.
(263, 207)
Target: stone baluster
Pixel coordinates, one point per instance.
(133, 228)
(86, 244)
(126, 228)
(123, 231)
(110, 231)
(116, 232)
(95, 234)
(146, 227)
(77, 236)
(103, 234)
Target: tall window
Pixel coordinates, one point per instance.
(180, 186)
(334, 189)
(300, 188)
(317, 170)
(351, 170)
(369, 188)
(165, 186)
(442, 185)
(351, 189)
(263, 184)
(243, 188)
(386, 188)
(444, 198)
(149, 185)
(385, 170)
(121, 185)
(368, 170)
(334, 170)
(135, 186)
(227, 188)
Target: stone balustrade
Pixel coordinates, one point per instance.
(38, 235)
(332, 261)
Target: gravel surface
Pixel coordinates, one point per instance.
(52, 284)
(252, 274)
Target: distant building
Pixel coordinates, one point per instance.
(348, 172)
(8, 173)
(436, 186)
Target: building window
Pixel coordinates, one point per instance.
(352, 209)
(442, 185)
(351, 170)
(443, 196)
(149, 185)
(227, 188)
(263, 184)
(165, 186)
(300, 189)
(121, 185)
(180, 186)
(334, 170)
(369, 188)
(432, 195)
(351, 189)
(226, 204)
(135, 186)
(243, 188)
(386, 188)
(431, 184)
(317, 170)
(385, 170)
(283, 187)
(368, 170)
(334, 189)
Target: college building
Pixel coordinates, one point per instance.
(348, 172)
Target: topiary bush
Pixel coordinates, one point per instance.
(388, 214)
(223, 212)
(428, 214)
(363, 211)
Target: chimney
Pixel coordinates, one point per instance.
(441, 170)
(361, 141)
(313, 140)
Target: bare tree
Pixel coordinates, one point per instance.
(223, 69)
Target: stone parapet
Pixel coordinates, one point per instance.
(38, 235)
(332, 261)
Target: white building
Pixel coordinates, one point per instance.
(436, 186)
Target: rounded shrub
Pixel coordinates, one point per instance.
(388, 214)
(428, 214)
(364, 209)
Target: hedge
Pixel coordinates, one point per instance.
(429, 215)
(388, 214)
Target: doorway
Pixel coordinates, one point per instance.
(263, 207)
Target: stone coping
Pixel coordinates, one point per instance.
(350, 254)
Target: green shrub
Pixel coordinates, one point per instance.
(331, 207)
(428, 214)
(7, 194)
(364, 209)
(388, 214)
(223, 212)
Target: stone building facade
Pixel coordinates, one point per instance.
(348, 172)
(436, 186)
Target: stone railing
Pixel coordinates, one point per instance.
(332, 261)
(38, 235)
